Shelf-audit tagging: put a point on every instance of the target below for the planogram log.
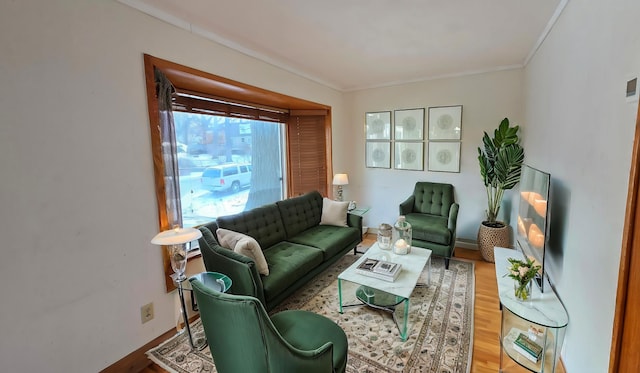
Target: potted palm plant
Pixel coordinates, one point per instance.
(500, 168)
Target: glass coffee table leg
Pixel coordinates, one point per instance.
(403, 332)
(340, 294)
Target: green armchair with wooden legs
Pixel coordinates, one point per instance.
(243, 338)
(433, 213)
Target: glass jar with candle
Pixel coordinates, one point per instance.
(402, 236)
(384, 236)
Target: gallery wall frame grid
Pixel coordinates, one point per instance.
(445, 123)
(401, 139)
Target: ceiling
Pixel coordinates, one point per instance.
(358, 44)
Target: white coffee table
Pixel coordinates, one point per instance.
(386, 295)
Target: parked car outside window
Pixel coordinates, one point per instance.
(227, 177)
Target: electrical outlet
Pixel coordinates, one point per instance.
(146, 312)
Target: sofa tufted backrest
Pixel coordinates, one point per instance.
(262, 223)
(301, 213)
(433, 198)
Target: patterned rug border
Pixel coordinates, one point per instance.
(472, 308)
(192, 360)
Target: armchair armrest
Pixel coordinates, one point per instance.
(407, 206)
(241, 269)
(355, 221)
(453, 217)
(312, 361)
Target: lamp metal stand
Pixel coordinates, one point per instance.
(185, 315)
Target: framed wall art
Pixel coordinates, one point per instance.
(377, 125)
(444, 156)
(378, 154)
(445, 122)
(409, 124)
(409, 155)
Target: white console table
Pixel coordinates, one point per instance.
(542, 317)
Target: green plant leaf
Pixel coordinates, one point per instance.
(508, 166)
(486, 169)
(500, 164)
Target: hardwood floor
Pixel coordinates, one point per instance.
(486, 329)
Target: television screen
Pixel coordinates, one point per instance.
(533, 216)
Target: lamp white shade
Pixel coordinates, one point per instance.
(176, 236)
(340, 179)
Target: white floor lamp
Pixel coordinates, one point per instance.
(177, 240)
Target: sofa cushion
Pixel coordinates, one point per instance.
(300, 213)
(334, 213)
(245, 245)
(262, 223)
(248, 246)
(228, 238)
(288, 262)
(429, 228)
(329, 239)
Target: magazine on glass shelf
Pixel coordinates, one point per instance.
(527, 347)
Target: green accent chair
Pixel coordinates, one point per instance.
(433, 213)
(243, 338)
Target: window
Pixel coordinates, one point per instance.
(215, 178)
(294, 148)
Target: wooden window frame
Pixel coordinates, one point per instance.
(188, 79)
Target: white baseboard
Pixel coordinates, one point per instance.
(467, 244)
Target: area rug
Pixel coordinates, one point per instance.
(440, 321)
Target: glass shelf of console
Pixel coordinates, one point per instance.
(542, 319)
(360, 211)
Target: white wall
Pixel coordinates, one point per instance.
(580, 129)
(486, 99)
(77, 193)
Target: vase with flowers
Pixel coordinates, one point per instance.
(522, 271)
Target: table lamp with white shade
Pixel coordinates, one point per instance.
(339, 180)
(177, 241)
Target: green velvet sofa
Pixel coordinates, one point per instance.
(292, 240)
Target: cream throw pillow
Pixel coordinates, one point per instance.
(334, 212)
(245, 245)
(248, 246)
(229, 238)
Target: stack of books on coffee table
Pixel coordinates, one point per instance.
(380, 269)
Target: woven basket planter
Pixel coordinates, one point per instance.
(489, 237)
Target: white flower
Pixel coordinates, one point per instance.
(523, 271)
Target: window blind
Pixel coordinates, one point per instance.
(307, 148)
(201, 104)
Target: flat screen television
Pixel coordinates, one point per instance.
(533, 217)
